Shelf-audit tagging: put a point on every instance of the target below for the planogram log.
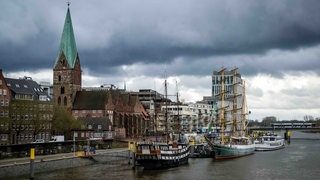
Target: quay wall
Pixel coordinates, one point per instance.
(17, 170)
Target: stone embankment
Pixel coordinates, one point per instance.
(21, 166)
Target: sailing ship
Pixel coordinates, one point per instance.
(234, 144)
(160, 155)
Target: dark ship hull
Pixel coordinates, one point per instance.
(161, 155)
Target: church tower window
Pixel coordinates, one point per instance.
(59, 100)
(62, 90)
(65, 101)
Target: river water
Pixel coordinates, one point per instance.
(299, 160)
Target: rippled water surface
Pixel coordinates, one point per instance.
(299, 160)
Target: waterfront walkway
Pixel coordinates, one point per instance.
(39, 158)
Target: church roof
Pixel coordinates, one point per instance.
(90, 100)
(68, 43)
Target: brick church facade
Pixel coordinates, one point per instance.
(125, 112)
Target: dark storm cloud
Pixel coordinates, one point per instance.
(110, 34)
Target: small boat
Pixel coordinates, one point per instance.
(161, 155)
(238, 147)
(202, 151)
(269, 143)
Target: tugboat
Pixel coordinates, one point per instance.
(160, 155)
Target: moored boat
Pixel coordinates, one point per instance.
(238, 147)
(269, 143)
(161, 155)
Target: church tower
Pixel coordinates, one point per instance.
(67, 69)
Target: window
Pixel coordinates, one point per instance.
(25, 86)
(17, 85)
(62, 90)
(4, 92)
(0, 91)
(59, 100)
(65, 101)
(0, 81)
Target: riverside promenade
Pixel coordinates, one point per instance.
(14, 167)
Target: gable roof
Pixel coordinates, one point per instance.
(26, 86)
(68, 45)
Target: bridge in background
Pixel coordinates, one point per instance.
(286, 126)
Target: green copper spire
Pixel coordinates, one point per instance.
(68, 43)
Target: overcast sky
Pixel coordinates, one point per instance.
(275, 44)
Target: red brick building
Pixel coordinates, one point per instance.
(126, 113)
(4, 111)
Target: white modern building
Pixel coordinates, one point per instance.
(185, 118)
(234, 96)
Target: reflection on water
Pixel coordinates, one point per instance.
(299, 160)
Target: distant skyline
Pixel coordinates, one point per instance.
(275, 44)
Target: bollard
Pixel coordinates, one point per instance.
(32, 163)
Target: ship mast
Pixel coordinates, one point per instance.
(234, 101)
(178, 111)
(244, 110)
(222, 106)
(166, 109)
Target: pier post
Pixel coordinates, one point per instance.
(191, 147)
(285, 135)
(129, 152)
(32, 163)
(133, 160)
(288, 135)
(134, 155)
